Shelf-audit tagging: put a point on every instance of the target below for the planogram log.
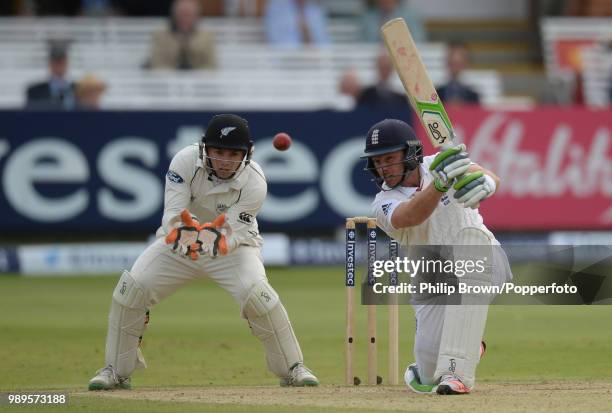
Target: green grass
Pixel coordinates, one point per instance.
(52, 334)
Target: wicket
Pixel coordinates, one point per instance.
(350, 282)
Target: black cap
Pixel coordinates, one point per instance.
(387, 136)
(228, 131)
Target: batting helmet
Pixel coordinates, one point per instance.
(388, 136)
(227, 131)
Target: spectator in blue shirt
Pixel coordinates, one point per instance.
(381, 11)
(293, 23)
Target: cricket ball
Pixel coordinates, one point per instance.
(282, 141)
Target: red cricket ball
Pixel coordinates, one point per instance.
(282, 141)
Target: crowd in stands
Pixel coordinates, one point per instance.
(381, 95)
(184, 43)
(59, 92)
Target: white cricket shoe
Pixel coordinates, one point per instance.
(107, 379)
(299, 376)
(451, 384)
(413, 381)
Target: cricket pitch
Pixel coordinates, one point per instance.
(509, 397)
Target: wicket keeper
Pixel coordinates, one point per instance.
(209, 230)
(431, 200)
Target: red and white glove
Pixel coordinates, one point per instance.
(193, 239)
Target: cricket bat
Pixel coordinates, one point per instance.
(420, 90)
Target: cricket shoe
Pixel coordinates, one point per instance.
(451, 384)
(107, 379)
(299, 376)
(413, 381)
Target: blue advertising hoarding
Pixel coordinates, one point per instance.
(104, 171)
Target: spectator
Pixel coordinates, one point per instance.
(381, 95)
(181, 45)
(293, 23)
(381, 11)
(89, 92)
(454, 91)
(349, 88)
(57, 92)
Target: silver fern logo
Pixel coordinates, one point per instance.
(226, 131)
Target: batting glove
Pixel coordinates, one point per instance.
(449, 164)
(474, 188)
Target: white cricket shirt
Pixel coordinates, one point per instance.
(188, 185)
(440, 228)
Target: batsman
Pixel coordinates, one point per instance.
(432, 200)
(209, 230)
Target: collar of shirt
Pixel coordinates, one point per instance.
(221, 185)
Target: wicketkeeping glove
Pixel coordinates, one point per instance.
(185, 235)
(193, 239)
(474, 188)
(211, 240)
(448, 165)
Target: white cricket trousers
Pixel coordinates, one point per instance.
(159, 272)
(433, 317)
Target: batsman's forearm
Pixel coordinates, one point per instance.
(416, 210)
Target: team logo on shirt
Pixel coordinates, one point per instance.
(444, 200)
(385, 208)
(245, 218)
(174, 177)
(221, 208)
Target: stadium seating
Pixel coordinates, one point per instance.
(588, 35)
(251, 74)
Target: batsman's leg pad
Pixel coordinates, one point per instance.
(429, 321)
(269, 322)
(126, 324)
(464, 324)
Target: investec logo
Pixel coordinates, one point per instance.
(350, 258)
(371, 254)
